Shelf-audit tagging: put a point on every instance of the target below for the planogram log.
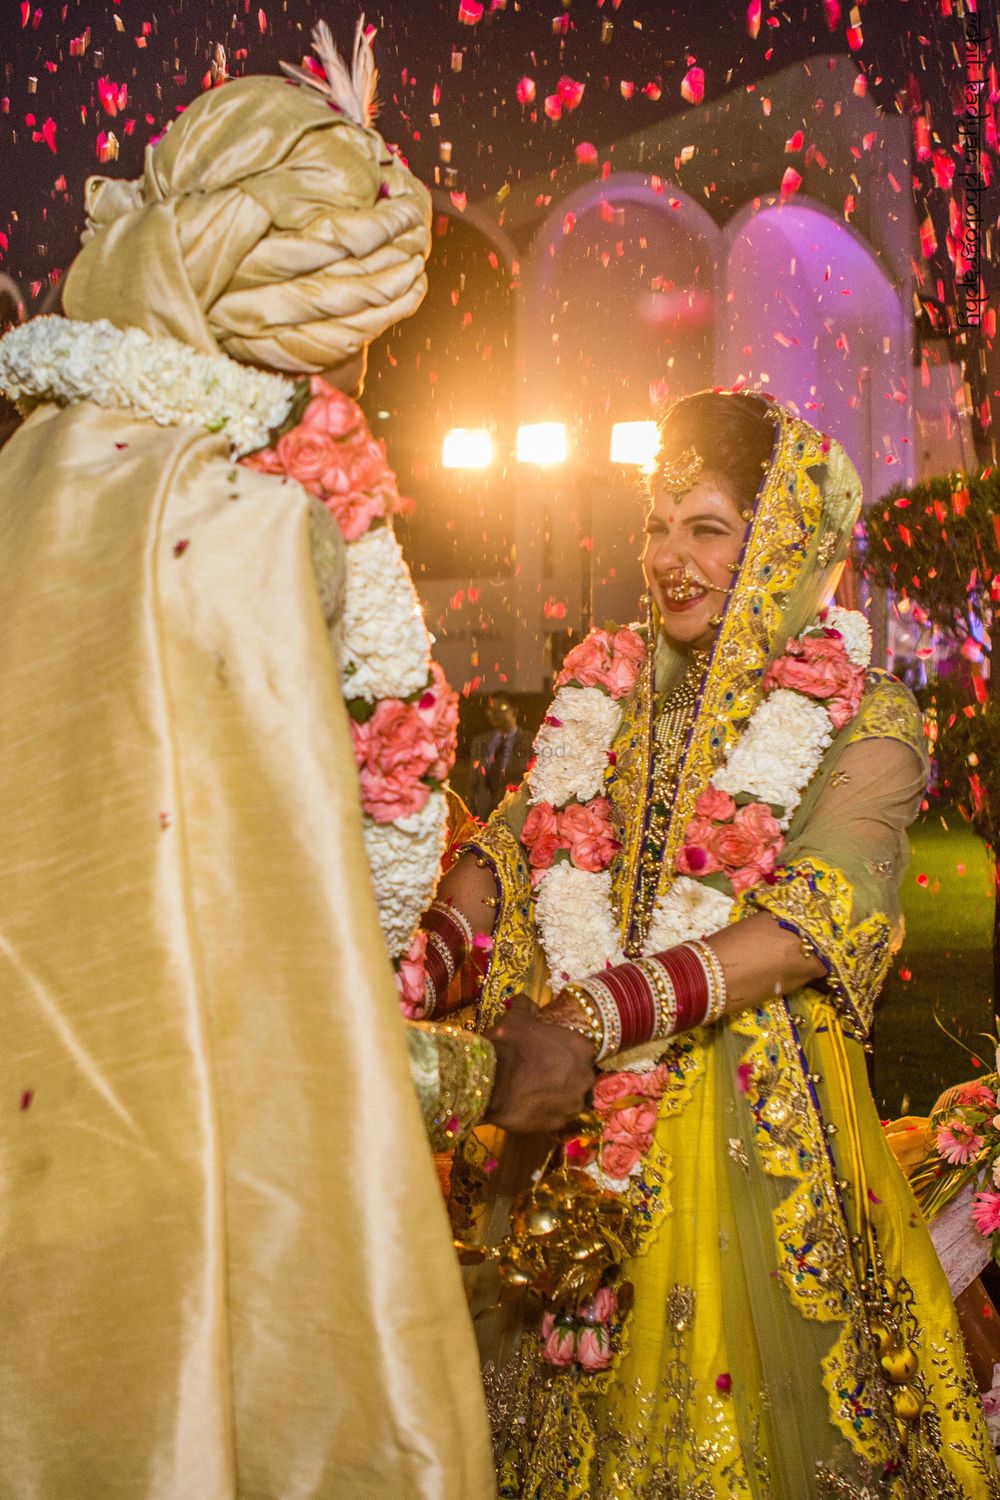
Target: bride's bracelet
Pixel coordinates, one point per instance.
(650, 999)
(449, 946)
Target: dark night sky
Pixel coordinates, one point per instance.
(909, 51)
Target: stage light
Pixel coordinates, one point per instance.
(467, 448)
(635, 443)
(542, 443)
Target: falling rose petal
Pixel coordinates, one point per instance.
(943, 167)
(854, 38)
(627, 89)
(48, 134)
(753, 18)
(831, 11)
(791, 182)
(26, 1098)
(586, 153)
(928, 238)
(693, 85)
(652, 91)
(460, 200)
(262, 22)
(724, 1382)
(525, 90)
(181, 547)
(483, 942)
(553, 106)
(795, 142)
(570, 92)
(922, 138)
(470, 12)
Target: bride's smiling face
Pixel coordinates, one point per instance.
(693, 541)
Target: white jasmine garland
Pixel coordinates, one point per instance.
(160, 379)
(404, 858)
(572, 764)
(386, 648)
(778, 752)
(575, 924)
(856, 631)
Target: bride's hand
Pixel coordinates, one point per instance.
(543, 1071)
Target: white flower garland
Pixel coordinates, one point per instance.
(385, 646)
(160, 379)
(773, 761)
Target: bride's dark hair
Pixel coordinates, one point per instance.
(731, 431)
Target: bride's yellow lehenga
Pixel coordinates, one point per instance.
(792, 1333)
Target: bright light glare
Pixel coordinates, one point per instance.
(635, 443)
(467, 448)
(542, 443)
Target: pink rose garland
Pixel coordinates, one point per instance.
(818, 666)
(605, 659)
(333, 455)
(743, 843)
(404, 747)
(583, 830)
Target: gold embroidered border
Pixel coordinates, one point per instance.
(815, 900)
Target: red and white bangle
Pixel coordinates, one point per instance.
(652, 999)
(449, 945)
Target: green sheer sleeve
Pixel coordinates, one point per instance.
(838, 884)
(452, 1072)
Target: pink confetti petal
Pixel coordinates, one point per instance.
(693, 85)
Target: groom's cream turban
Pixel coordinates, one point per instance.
(266, 225)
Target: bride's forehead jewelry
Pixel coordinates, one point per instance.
(680, 473)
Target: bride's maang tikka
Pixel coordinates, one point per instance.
(680, 473)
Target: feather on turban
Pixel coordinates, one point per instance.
(267, 225)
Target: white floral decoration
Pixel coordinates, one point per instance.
(573, 764)
(778, 752)
(690, 909)
(404, 858)
(856, 631)
(577, 930)
(160, 379)
(386, 648)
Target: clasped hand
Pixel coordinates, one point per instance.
(543, 1072)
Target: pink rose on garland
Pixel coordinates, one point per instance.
(605, 659)
(331, 411)
(410, 977)
(558, 1342)
(819, 667)
(612, 1087)
(748, 847)
(619, 1157)
(714, 806)
(306, 453)
(593, 1348)
(633, 1125)
(541, 836)
(393, 750)
(600, 1308)
(744, 843)
(588, 834)
(438, 707)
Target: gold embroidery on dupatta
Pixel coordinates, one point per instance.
(663, 1455)
(815, 900)
(786, 521)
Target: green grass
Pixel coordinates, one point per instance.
(947, 956)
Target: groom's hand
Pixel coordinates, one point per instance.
(543, 1072)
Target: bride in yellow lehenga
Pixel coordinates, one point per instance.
(769, 1318)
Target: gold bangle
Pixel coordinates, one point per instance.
(595, 1028)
